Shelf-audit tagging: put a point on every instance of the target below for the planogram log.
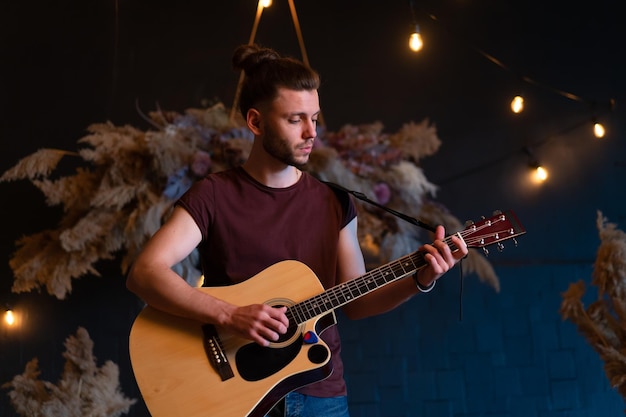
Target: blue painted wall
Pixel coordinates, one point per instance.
(509, 355)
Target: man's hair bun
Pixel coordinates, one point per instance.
(249, 57)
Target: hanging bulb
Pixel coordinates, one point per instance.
(539, 173)
(9, 317)
(415, 41)
(598, 130)
(265, 3)
(517, 104)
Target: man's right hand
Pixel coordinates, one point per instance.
(260, 323)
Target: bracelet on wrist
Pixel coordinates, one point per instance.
(422, 288)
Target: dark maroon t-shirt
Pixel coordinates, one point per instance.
(247, 227)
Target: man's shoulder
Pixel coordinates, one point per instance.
(227, 175)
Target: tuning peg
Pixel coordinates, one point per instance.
(500, 247)
(485, 251)
(469, 223)
(497, 212)
(515, 242)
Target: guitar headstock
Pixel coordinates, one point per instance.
(501, 226)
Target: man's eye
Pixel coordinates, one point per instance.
(294, 121)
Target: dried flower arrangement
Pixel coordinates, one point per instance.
(602, 322)
(129, 180)
(83, 390)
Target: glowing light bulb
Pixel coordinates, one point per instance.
(9, 317)
(598, 130)
(540, 174)
(265, 3)
(415, 41)
(517, 104)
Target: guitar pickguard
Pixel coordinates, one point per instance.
(255, 362)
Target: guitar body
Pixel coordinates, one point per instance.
(172, 364)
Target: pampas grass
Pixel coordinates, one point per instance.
(83, 389)
(127, 181)
(603, 322)
(39, 164)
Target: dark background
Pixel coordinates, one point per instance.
(68, 64)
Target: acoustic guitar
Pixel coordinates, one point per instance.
(191, 369)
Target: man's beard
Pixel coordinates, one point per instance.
(280, 150)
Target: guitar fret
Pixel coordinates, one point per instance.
(344, 294)
(317, 305)
(333, 293)
(307, 310)
(327, 302)
(375, 280)
(401, 269)
(353, 287)
(370, 283)
(296, 313)
(415, 257)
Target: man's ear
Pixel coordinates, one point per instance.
(253, 119)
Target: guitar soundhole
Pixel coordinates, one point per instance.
(291, 331)
(255, 362)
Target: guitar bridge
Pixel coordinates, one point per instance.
(215, 352)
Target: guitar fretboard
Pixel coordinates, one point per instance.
(345, 293)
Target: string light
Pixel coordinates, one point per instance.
(415, 40)
(540, 174)
(517, 104)
(9, 317)
(416, 43)
(598, 130)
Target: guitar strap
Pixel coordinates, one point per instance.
(363, 197)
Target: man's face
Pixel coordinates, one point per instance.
(290, 125)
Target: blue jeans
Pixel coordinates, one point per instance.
(299, 405)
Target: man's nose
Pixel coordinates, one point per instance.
(310, 131)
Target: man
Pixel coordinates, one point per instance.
(248, 218)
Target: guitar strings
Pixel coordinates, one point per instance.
(345, 293)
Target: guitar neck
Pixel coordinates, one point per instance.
(501, 226)
(345, 293)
